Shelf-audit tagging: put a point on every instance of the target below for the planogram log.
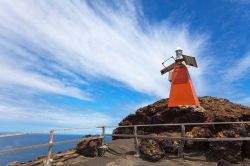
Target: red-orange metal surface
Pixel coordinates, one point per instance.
(182, 91)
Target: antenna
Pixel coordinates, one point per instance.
(166, 61)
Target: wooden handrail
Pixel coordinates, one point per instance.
(179, 124)
(7, 151)
(183, 138)
(99, 127)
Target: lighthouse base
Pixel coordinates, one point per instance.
(182, 91)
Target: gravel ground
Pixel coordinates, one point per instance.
(122, 155)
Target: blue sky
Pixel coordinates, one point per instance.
(87, 63)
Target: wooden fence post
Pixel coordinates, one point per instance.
(136, 142)
(182, 143)
(49, 157)
(103, 134)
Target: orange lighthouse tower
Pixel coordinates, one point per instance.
(182, 92)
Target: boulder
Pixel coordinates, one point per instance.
(198, 132)
(168, 146)
(155, 149)
(151, 150)
(89, 147)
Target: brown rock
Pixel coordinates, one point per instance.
(224, 163)
(230, 151)
(212, 110)
(198, 132)
(151, 150)
(246, 162)
(89, 147)
(168, 146)
(246, 148)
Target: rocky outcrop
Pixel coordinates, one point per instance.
(212, 110)
(89, 147)
(156, 149)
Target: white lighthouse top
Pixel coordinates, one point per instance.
(178, 48)
(178, 53)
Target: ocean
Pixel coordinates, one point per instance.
(33, 139)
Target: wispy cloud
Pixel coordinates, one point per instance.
(239, 69)
(50, 117)
(55, 47)
(20, 78)
(99, 40)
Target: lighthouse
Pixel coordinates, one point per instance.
(182, 92)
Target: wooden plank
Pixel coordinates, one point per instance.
(24, 133)
(125, 135)
(179, 138)
(44, 145)
(22, 149)
(136, 141)
(179, 124)
(182, 142)
(49, 156)
(152, 125)
(103, 134)
(143, 136)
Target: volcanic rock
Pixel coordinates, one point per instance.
(150, 149)
(198, 132)
(211, 110)
(224, 163)
(89, 147)
(230, 151)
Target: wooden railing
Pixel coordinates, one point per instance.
(135, 135)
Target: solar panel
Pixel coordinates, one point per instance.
(189, 60)
(167, 69)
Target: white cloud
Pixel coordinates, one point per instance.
(54, 47)
(19, 78)
(51, 117)
(239, 69)
(99, 41)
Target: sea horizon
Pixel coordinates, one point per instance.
(33, 139)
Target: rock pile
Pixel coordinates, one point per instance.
(212, 110)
